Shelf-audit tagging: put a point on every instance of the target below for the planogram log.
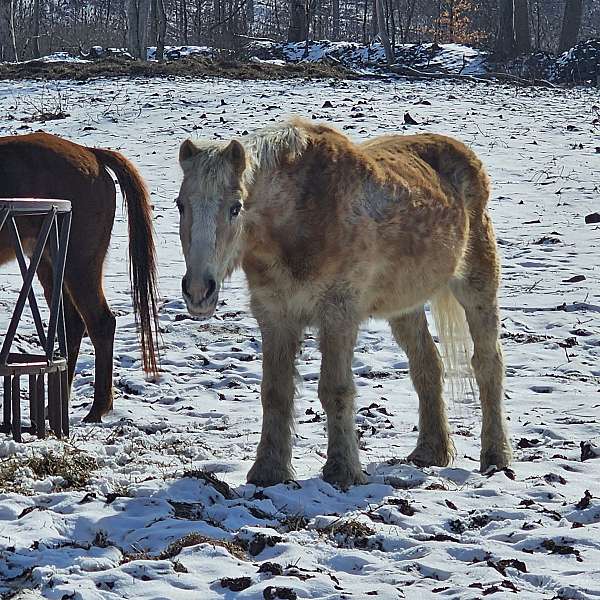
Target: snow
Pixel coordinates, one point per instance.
(58, 57)
(174, 52)
(451, 57)
(148, 523)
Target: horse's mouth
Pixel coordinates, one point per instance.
(202, 311)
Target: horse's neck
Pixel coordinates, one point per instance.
(260, 169)
(254, 178)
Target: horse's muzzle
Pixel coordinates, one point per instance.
(200, 297)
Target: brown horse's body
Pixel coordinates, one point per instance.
(40, 165)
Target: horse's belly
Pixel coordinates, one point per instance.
(407, 282)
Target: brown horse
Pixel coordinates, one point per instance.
(41, 165)
(329, 233)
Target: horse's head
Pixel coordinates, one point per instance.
(210, 205)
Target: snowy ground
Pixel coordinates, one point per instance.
(137, 517)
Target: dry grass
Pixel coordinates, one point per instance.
(348, 533)
(72, 465)
(211, 479)
(191, 539)
(185, 67)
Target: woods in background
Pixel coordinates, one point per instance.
(32, 28)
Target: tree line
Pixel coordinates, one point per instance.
(32, 28)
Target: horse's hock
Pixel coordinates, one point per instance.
(46, 370)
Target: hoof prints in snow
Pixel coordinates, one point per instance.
(143, 519)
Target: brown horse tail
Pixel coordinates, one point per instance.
(142, 253)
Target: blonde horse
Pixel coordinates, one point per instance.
(329, 233)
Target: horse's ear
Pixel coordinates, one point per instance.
(187, 150)
(234, 152)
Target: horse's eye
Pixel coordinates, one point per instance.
(235, 209)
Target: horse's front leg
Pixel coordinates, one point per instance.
(336, 392)
(280, 344)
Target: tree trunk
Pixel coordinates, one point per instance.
(184, 22)
(383, 36)
(153, 22)
(522, 35)
(6, 46)
(13, 35)
(137, 23)
(571, 24)
(8, 38)
(161, 29)
(335, 8)
(36, 29)
(250, 14)
(298, 29)
(132, 30)
(505, 44)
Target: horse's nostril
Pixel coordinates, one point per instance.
(211, 286)
(184, 285)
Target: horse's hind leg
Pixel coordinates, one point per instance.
(85, 287)
(476, 290)
(337, 391)
(434, 446)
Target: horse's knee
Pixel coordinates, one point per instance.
(337, 398)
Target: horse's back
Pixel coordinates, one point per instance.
(432, 157)
(41, 165)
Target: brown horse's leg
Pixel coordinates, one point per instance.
(477, 290)
(434, 446)
(73, 322)
(87, 294)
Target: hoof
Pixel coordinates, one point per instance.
(495, 459)
(264, 474)
(343, 474)
(428, 456)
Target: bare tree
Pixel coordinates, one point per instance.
(505, 42)
(383, 35)
(161, 29)
(250, 13)
(521, 19)
(298, 29)
(32, 27)
(36, 28)
(137, 23)
(8, 38)
(335, 10)
(571, 24)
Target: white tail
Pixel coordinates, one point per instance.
(456, 344)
